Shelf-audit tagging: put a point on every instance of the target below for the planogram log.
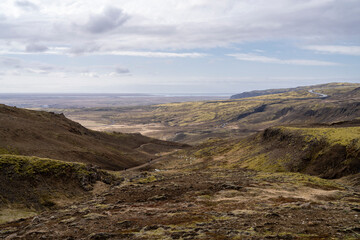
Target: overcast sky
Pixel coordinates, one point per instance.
(176, 46)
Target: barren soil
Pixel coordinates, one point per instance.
(207, 204)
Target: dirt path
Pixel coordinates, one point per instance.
(321, 95)
(148, 164)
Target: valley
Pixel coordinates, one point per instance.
(192, 122)
(271, 164)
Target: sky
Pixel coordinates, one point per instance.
(173, 46)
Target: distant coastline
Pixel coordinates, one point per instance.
(91, 100)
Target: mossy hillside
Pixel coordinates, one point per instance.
(32, 184)
(212, 147)
(262, 162)
(328, 152)
(29, 185)
(42, 173)
(213, 111)
(335, 91)
(339, 135)
(30, 167)
(299, 179)
(320, 87)
(286, 95)
(184, 114)
(8, 150)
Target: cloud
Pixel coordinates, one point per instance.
(10, 62)
(22, 66)
(26, 5)
(36, 48)
(94, 50)
(81, 49)
(36, 71)
(110, 19)
(264, 59)
(90, 74)
(155, 54)
(160, 25)
(335, 49)
(121, 70)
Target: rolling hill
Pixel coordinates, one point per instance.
(50, 135)
(256, 93)
(328, 151)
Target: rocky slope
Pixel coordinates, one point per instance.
(206, 204)
(29, 185)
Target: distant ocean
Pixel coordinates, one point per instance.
(79, 100)
(72, 95)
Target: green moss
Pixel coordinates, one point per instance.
(205, 197)
(332, 135)
(28, 167)
(298, 178)
(8, 150)
(262, 163)
(148, 179)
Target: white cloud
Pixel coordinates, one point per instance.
(335, 49)
(264, 59)
(90, 74)
(94, 50)
(26, 5)
(161, 25)
(110, 19)
(154, 54)
(36, 48)
(90, 30)
(121, 70)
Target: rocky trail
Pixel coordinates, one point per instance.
(207, 204)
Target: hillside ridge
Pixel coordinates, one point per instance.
(50, 135)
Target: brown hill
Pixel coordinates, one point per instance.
(50, 135)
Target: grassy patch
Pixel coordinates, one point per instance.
(262, 163)
(24, 166)
(148, 179)
(12, 214)
(298, 178)
(8, 151)
(339, 135)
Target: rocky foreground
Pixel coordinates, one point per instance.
(208, 204)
